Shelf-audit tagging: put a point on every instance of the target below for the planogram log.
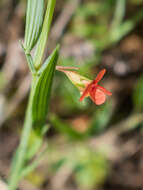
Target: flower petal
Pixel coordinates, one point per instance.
(99, 97)
(85, 92)
(104, 90)
(99, 76)
(92, 93)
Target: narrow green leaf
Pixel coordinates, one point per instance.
(42, 89)
(34, 20)
(44, 34)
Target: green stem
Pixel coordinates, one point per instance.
(30, 63)
(44, 34)
(29, 59)
(19, 157)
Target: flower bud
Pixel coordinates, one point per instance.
(78, 80)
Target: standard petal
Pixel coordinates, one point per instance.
(99, 97)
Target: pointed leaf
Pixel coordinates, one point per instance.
(34, 20)
(43, 88)
(44, 34)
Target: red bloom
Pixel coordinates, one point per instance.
(96, 92)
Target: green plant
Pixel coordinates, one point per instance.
(36, 33)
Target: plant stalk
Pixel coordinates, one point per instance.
(19, 158)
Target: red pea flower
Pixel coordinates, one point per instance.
(96, 92)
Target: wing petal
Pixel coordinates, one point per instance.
(104, 90)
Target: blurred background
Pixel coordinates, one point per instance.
(89, 147)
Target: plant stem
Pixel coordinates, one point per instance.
(19, 157)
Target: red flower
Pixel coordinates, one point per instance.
(96, 92)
